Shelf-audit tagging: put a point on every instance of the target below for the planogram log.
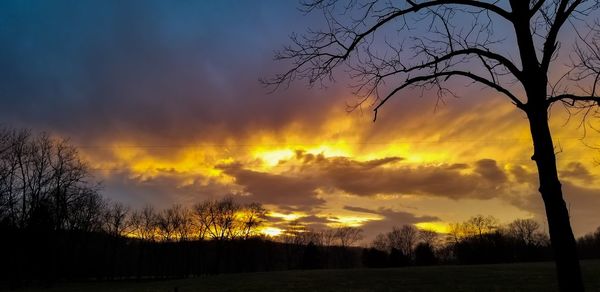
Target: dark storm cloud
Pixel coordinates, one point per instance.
(309, 158)
(313, 219)
(298, 186)
(390, 219)
(583, 205)
(488, 169)
(368, 178)
(146, 70)
(522, 175)
(275, 188)
(360, 210)
(161, 190)
(395, 217)
(582, 200)
(577, 171)
(312, 222)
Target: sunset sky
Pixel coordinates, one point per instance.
(163, 100)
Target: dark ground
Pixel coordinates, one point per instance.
(504, 277)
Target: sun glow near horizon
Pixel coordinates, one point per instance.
(221, 165)
(272, 231)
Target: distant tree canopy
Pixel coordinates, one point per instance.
(589, 245)
(212, 219)
(405, 238)
(480, 239)
(296, 233)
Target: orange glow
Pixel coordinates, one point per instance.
(442, 140)
(438, 227)
(271, 231)
(352, 221)
(286, 217)
(272, 157)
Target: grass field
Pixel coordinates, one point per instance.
(506, 277)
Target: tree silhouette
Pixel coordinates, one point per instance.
(252, 217)
(183, 222)
(479, 225)
(456, 39)
(403, 239)
(166, 221)
(525, 230)
(428, 237)
(348, 236)
(424, 254)
(114, 219)
(44, 184)
(144, 223)
(380, 242)
(226, 219)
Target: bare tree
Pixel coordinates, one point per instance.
(5, 172)
(252, 217)
(8, 174)
(183, 223)
(525, 230)
(380, 242)
(475, 226)
(175, 223)
(68, 171)
(310, 236)
(456, 39)
(429, 237)
(293, 233)
(480, 225)
(219, 218)
(328, 237)
(44, 184)
(201, 220)
(34, 165)
(403, 239)
(85, 211)
(409, 234)
(454, 232)
(144, 222)
(347, 236)
(166, 223)
(115, 219)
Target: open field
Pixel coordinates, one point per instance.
(505, 277)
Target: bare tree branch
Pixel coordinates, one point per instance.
(571, 99)
(311, 51)
(536, 7)
(433, 77)
(550, 45)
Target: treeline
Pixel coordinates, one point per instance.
(321, 249)
(589, 245)
(213, 219)
(478, 240)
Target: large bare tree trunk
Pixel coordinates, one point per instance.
(561, 235)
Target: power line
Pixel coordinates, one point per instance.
(298, 145)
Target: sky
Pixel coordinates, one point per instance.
(163, 101)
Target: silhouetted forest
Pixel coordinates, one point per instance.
(55, 225)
